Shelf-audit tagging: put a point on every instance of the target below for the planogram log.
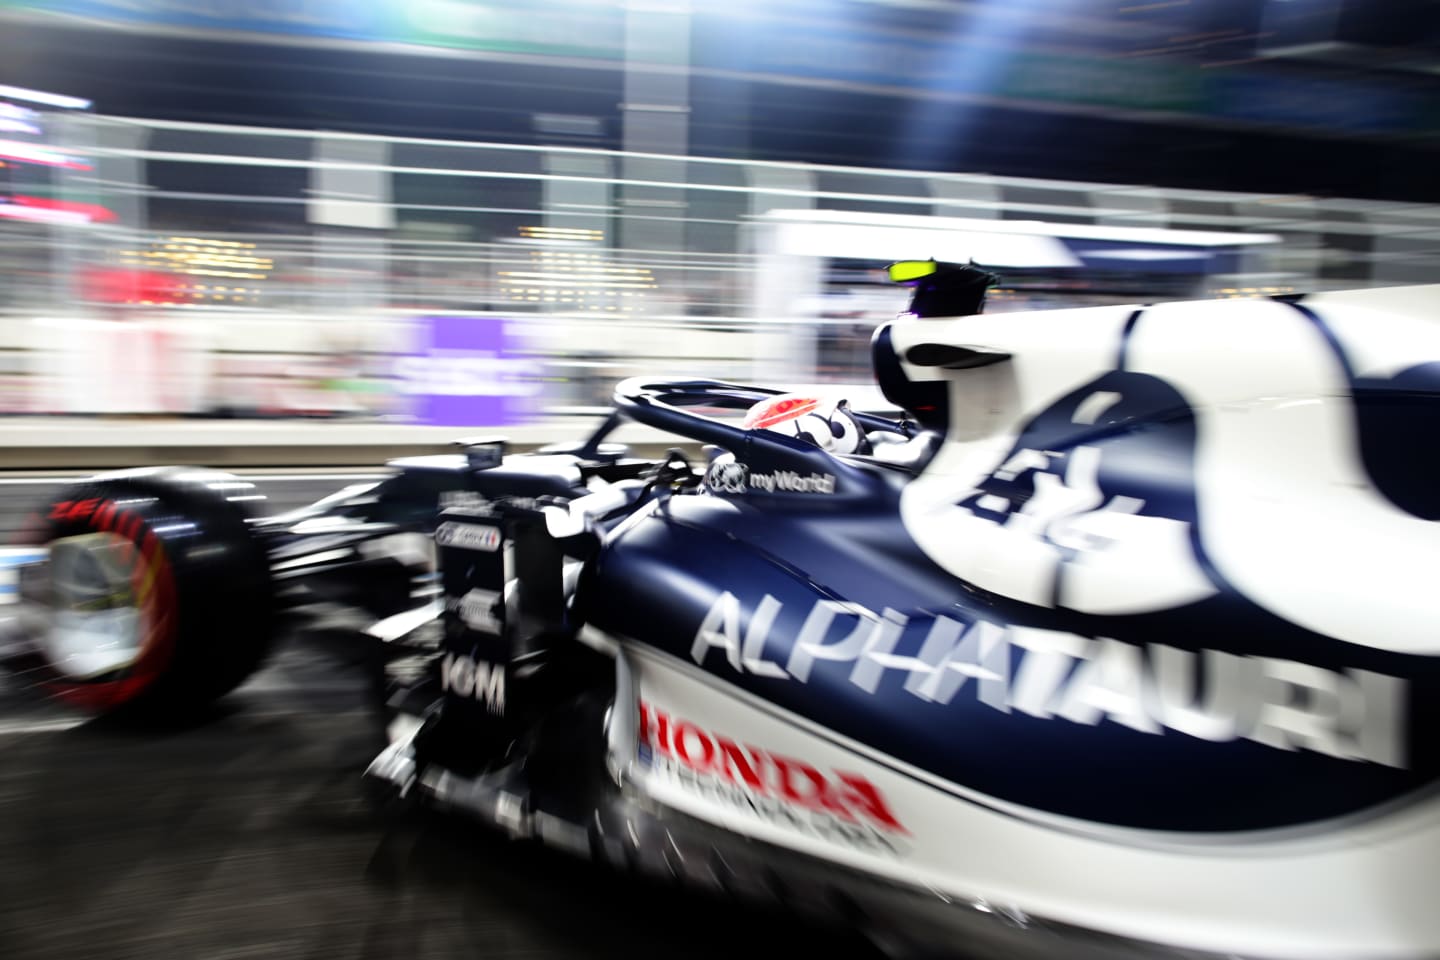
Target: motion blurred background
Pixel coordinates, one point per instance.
(400, 220)
(475, 212)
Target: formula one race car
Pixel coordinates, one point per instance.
(1125, 633)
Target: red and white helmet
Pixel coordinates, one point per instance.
(829, 425)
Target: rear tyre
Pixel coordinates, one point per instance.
(157, 598)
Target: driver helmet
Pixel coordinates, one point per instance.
(828, 425)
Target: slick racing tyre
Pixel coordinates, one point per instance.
(155, 598)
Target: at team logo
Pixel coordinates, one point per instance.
(728, 476)
(1087, 513)
(1197, 465)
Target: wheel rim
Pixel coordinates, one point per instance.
(99, 620)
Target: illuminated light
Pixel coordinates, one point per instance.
(30, 153)
(532, 298)
(226, 273)
(584, 280)
(535, 228)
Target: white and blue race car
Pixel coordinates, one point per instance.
(1123, 639)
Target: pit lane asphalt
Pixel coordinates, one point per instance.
(247, 836)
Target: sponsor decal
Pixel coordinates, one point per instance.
(1094, 505)
(468, 536)
(1212, 695)
(828, 804)
(789, 481)
(464, 370)
(731, 477)
(1096, 527)
(473, 504)
(323, 549)
(727, 476)
(467, 373)
(478, 610)
(478, 679)
(466, 501)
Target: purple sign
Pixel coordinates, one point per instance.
(467, 372)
